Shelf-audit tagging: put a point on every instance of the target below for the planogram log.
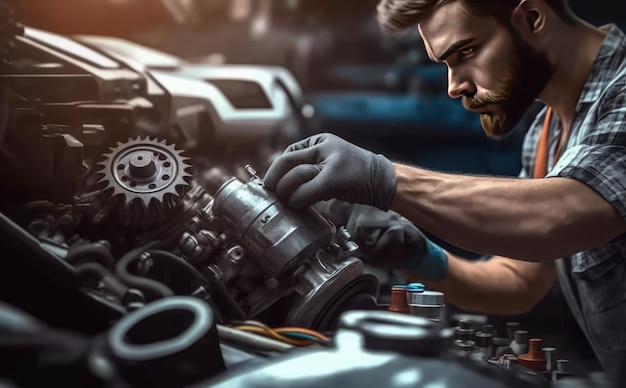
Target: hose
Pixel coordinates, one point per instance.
(102, 275)
(154, 288)
(97, 251)
(208, 281)
(224, 295)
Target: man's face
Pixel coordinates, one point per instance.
(497, 74)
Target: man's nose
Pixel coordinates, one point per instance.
(459, 85)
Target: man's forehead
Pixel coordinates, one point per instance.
(450, 23)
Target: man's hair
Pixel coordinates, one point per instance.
(396, 16)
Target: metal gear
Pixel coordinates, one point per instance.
(146, 179)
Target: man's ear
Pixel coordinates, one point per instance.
(529, 17)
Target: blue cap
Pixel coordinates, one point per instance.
(415, 287)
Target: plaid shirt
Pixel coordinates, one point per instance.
(595, 153)
(594, 281)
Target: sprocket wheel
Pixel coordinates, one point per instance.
(146, 179)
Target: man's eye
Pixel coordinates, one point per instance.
(467, 51)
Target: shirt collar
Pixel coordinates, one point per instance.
(604, 66)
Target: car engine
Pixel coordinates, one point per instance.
(111, 179)
(137, 254)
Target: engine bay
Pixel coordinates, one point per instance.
(132, 209)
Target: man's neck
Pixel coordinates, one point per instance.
(575, 56)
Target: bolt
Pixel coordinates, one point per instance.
(133, 299)
(549, 354)
(201, 293)
(250, 171)
(235, 254)
(265, 219)
(145, 263)
(188, 242)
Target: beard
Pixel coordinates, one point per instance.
(525, 77)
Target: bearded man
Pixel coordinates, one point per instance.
(563, 218)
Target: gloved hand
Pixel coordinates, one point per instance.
(325, 166)
(388, 240)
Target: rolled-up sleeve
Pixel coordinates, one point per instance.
(599, 160)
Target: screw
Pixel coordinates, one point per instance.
(251, 171)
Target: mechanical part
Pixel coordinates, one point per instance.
(398, 302)
(511, 328)
(251, 251)
(465, 331)
(535, 358)
(464, 348)
(550, 355)
(345, 241)
(519, 345)
(382, 330)
(278, 238)
(379, 349)
(171, 342)
(562, 369)
(327, 289)
(427, 304)
(148, 177)
(484, 346)
(154, 288)
(489, 329)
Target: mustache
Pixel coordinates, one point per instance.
(478, 101)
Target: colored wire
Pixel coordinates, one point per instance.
(303, 330)
(302, 335)
(305, 337)
(272, 334)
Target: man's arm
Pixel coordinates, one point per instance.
(526, 219)
(495, 286)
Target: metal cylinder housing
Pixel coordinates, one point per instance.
(278, 237)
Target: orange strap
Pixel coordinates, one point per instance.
(541, 157)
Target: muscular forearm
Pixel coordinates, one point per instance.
(495, 286)
(529, 219)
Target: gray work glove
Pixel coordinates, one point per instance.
(387, 240)
(325, 166)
